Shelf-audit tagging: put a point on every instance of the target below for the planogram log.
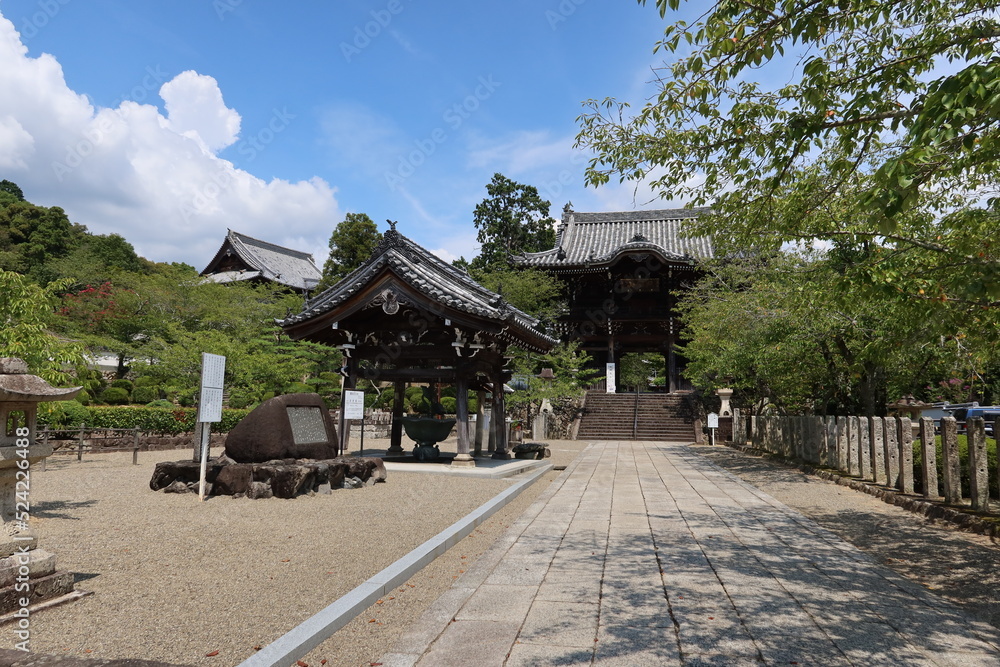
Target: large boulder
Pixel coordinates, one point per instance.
(292, 426)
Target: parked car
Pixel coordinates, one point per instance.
(991, 413)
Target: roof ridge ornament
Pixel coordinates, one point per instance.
(639, 238)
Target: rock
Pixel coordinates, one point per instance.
(379, 473)
(353, 483)
(176, 486)
(186, 471)
(290, 481)
(531, 450)
(338, 471)
(268, 432)
(324, 488)
(259, 490)
(233, 479)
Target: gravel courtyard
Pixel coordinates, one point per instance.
(204, 583)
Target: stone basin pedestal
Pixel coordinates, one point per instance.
(427, 432)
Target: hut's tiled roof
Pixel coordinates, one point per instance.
(589, 239)
(285, 266)
(429, 275)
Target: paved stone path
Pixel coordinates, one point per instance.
(648, 554)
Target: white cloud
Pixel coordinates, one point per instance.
(195, 109)
(156, 180)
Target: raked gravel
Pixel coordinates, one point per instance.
(176, 580)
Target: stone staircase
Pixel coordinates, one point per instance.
(636, 417)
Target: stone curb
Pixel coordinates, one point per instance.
(914, 504)
(309, 634)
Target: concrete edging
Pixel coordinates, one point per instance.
(309, 634)
(911, 503)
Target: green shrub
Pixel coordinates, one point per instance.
(298, 388)
(160, 403)
(449, 392)
(84, 397)
(63, 414)
(123, 384)
(115, 396)
(384, 400)
(370, 398)
(144, 395)
(473, 406)
(146, 381)
(450, 404)
(241, 398)
(187, 397)
(169, 421)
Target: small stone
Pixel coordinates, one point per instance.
(259, 490)
(176, 486)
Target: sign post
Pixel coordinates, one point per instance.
(612, 387)
(213, 372)
(713, 423)
(354, 408)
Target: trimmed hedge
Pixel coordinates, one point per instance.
(115, 396)
(165, 421)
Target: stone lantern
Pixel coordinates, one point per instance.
(20, 560)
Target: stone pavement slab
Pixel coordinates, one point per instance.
(645, 553)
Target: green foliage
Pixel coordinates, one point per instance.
(890, 117)
(636, 369)
(789, 330)
(166, 421)
(571, 377)
(162, 403)
(352, 242)
(298, 388)
(63, 414)
(144, 395)
(122, 384)
(84, 397)
(24, 315)
(115, 396)
(10, 188)
(513, 219)
(449, 404)
(535, 292)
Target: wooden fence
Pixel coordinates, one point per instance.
(882, 450)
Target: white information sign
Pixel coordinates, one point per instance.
(611, 386)
(213, 373)
(354, 404)
(713, 420)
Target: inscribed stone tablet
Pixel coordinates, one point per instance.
(307, 425)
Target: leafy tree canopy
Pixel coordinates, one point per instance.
(10, 192)
(352, 242)
(535, 292)
(25, 311)
(892, 100)
(512, 219)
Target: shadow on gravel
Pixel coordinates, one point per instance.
(59, 509)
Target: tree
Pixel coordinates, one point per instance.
(570, 379)
(352, 242)
(512, 219)
(25, 309)
(535, 292)
(9, 191)
(893, 101)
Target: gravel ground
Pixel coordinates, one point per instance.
(962, 567)
(177, 580)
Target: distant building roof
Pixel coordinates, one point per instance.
(436, 280)
(596, 239)
(242, 257)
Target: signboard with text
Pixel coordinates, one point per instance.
(354, 404)
(612, 387)
(213, 373)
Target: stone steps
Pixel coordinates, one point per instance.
(655, 417)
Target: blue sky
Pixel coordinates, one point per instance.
(169, 122)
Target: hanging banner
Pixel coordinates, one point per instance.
(612, 387)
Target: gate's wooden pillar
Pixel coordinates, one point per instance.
(396, 432)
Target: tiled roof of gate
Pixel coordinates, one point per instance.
(587, 239)
(293, 268)
(432, 277)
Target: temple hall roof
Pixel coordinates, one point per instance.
(435, 280)
(595, 239)
(243, 257)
